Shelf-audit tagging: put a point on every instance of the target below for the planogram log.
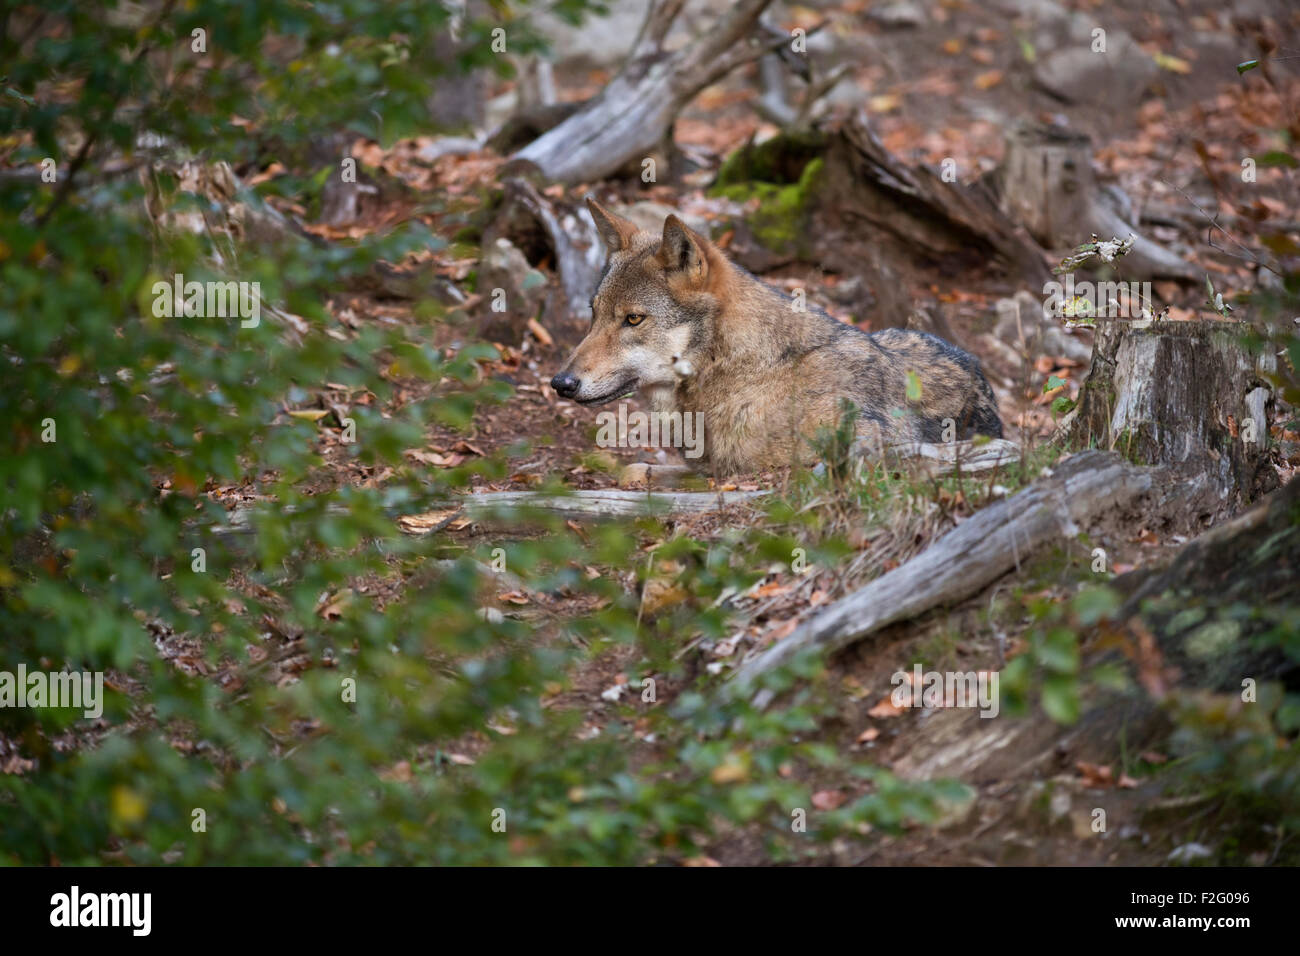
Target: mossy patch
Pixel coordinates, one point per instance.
(779, 161)
(784, 208)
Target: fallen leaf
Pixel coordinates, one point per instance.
(332, 609)
(886, 708)
(827, 799)
(540, 333)
(883, 103)
(1173, 64)
(732, 770)
(309, 414)
(426, 522)
(1095, 775)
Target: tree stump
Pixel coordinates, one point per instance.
(1046, 184)
(1184, 394)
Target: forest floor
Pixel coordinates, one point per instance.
(1032, 807)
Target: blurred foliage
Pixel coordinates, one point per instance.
(151, 415)
(455, 748)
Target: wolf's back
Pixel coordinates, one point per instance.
(953, 386)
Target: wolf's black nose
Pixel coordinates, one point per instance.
(566, 385)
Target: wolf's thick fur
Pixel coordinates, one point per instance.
(676, 319)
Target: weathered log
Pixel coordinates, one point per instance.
(527, 217)
(633, 114)
(1184, 394)
(490, 505)
(967, 559)
(1253, 559)
(605, 503)
(1046, 184)
(943, 223)
(939, 459)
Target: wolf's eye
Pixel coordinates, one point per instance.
(635, 318)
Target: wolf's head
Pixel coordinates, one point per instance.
(653, 310)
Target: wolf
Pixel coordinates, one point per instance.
(676, 320)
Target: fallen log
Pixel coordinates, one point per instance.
(635, 111)
(1186, 607)
(938, 460)
(848, 201)
(967, 559)
(945, 223)
(605, 503)
(599, 503)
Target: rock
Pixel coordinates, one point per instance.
(1069, 68)
(898, 16)
(1040, 11)
(506, 279)
(1025, 315)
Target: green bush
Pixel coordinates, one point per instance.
(121, 426)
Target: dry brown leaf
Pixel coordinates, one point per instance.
(828, 799)
(886, 708)
(540, 333)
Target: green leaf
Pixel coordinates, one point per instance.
(1277, 158)
(1061, 699)
(913, 386)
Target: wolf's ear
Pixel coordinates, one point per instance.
(615, 231)
(682, 252)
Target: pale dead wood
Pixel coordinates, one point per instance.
(1184, 394)
(632, 115)
(938, 460)
(603, 503)
(967, 559)
(514, 505)
(1047, 185)
(571, 234)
